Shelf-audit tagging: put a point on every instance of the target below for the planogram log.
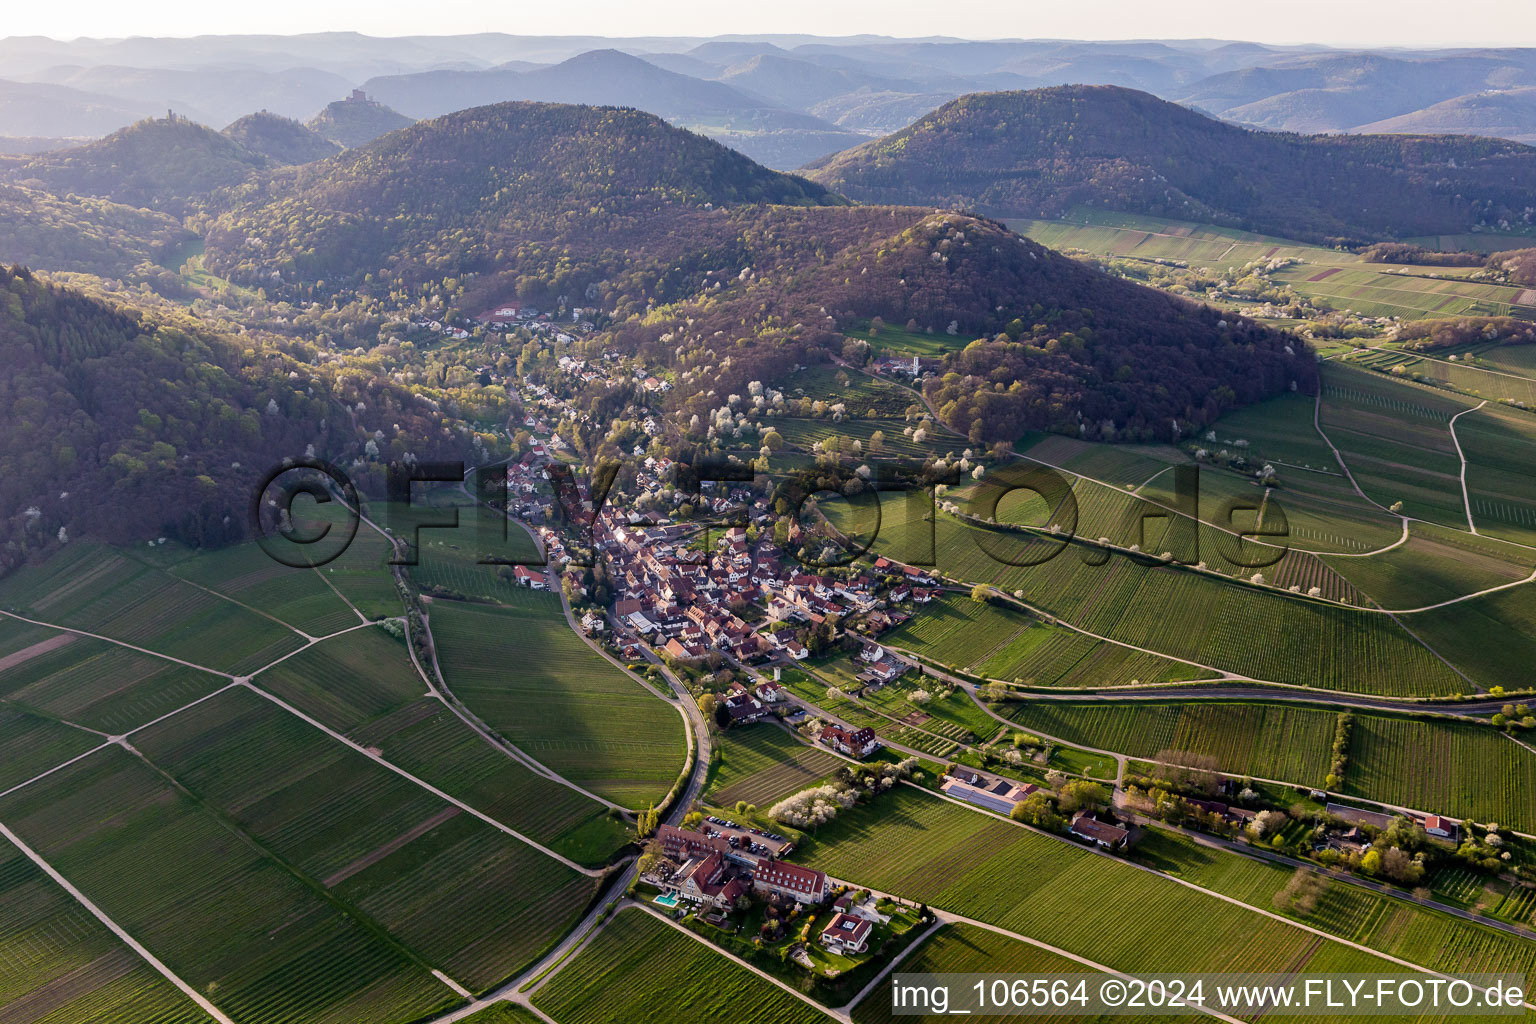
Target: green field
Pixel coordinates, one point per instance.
(30, 745)
(460, 895)
(1270, 741)
(522, 670)
(1247, 630)
(59, 965)
(348, 680)
(96, 684)
(104, 591)
(1394, 926)
(639, 968)
(221, 913)
(1461, 770)
(298, 597)
(921, 848)
(966, 949)
(763, 764)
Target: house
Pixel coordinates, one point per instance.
(768, 692)
(744, 709)
(681, 844)
(998, 795)
(847, 934)
(849, 903)
(1441, 828)
(777, 878)
(709, 879)
(853, 742)
(526, 577)
(1101, 834)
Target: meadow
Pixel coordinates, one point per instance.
(525, 673)
(639, 968)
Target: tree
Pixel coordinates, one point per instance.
(1081, 794)
(708, 702)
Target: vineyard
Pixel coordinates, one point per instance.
(102, 591)
(96, 684)
(430, 742)
(1393, 925)
(531, 678)
(30, 744)
(948, 857)
(639, 968)
(1243, 629)
(58, 963)
(1270, 741)
(762, 765)
(221, 913)
(463, 896)
(347, 680)
(1461, 770)
(244, 572)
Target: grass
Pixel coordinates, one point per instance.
(59, 964)
(462, 896)
(221, 913)
(895, 340)
(763, 764)
(524, 672)
(246, 573)
(639, 968)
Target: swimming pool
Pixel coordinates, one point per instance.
(669, 900)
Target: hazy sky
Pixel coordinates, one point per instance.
(1336, 22)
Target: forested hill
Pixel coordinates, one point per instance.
(1042, 152)
(163, 164)
(281, 140)
(462, 192)
(129, 425)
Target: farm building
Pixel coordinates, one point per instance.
(998, 795)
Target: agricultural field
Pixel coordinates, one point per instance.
(951, 858)
(58, 964)
(1272, 741)
(523, 671)
(1222, 626)
(640, 968)
(96, 684)
(764, 764)
(453, 891)
(348, 680)
(224, 914)
(109, 592)
(901, 342)
(297, 597)
(966, 949)
(1458, 769)
(1392, 925)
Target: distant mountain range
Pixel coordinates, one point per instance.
(1043, 152)
(784, 100)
